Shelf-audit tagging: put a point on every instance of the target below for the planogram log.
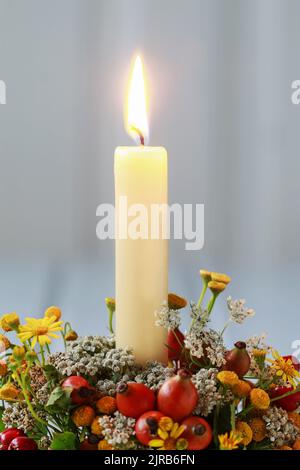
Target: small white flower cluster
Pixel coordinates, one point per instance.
(68, 364)
(17, 415)
(117, 430)
(238, 311)
(258, 342)
(207, 344)
(90, 345)
(280, 430)
(167, 318)
(155, 375)
(199, 317)
(95, 356)
(206, 383)
(118, 360)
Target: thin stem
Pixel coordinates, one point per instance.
(225, 327)
(64, 339)
(286, 394)
(203, 291)
(211, 303)
(232, 416)
(215, 424)
(42, 354)
(110, 321)
(26, 398)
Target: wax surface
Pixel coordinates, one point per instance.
(141, 174)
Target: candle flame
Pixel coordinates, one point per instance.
(136, 120)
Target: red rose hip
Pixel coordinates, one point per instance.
(134, 399)
(23, 443)
(147, 425)
(8, 435)
(82, 391)
(197, 432)
(178, 396)
(175, 344)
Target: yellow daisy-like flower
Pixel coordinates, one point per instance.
(230, 441)
(228, 377)
(169, 436)
(9, 321)
(284, 368)
(41, 330)
(53, 311)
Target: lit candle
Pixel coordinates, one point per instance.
(141, 175)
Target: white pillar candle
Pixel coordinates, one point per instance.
(141, 176)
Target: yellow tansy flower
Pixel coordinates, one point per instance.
(241, 389)
(230, 441)
(228, 377)
(3, 368)
(259, 353)
(4, 343)
(71, 336)
(19, 352)
(53, 311)
(284, 368)
(176, 302)
(104, 445)
(246, 432)
(216, 287)
(84, 415)
(9, 321)
(9, 392)
(294, 418)
(206, 275)
(220, 277)
(169, 436)
(40, 330)
(259, 430)
(296, 445)
(259, 399)
(96, 427)
(110, 303)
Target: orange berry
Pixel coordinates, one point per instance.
(83, 416)
(106, 405)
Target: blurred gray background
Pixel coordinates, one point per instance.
(220, 74)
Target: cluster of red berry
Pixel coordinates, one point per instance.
(16, 439)
(176, 399)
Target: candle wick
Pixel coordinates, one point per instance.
(142, 139)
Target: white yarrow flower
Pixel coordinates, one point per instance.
(238, 311)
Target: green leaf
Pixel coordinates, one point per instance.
(64, 441)
(2, 425)
(59, 399)
(52, 374)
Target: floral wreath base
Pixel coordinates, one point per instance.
(93, 396)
